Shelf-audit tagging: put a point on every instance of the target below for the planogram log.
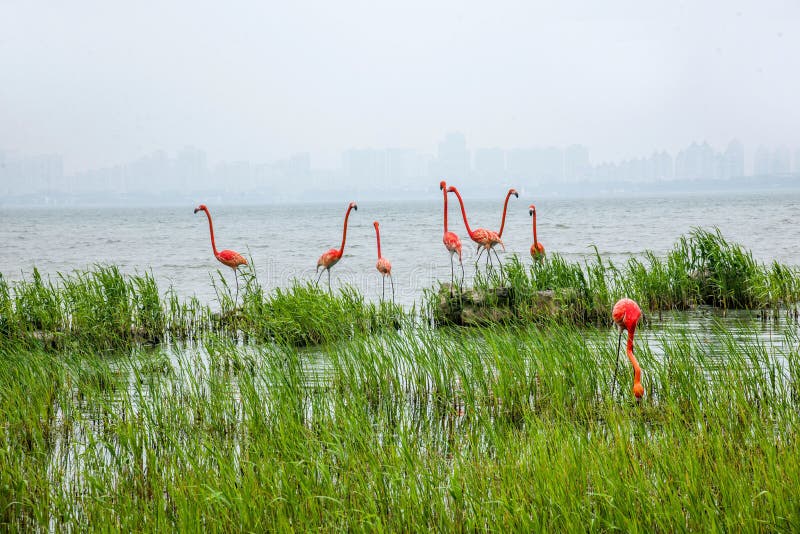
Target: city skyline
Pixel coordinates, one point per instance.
(262, 81)
(392, 169)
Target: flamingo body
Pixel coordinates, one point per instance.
(383, 265)
(229, 258)
(329, 259)
(332, 256)
(481, 236)
(451, 241)
(626, 314)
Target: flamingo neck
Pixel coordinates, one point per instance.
(378, 236)
(344, 230)
(503, 222)
(463, 211)
(535, 242)
(211, 229)
(445, 209)
(637, 371)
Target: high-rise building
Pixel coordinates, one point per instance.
(452, 161)
(761, 161)
(404, 167)
(490, 162)
(365, 167)
(190, 169)
(781, 161)
(733, 160)
(577, 167)
(696, 162)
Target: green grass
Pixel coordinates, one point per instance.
(104, 309)
(701, 269)
(123, 408)
(480, 429)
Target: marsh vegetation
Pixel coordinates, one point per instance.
(124, 409)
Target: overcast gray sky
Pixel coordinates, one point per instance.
(101, 82)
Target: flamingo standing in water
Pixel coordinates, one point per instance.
(451, 241)
(537, 249)
(485, 239)
(626, 315)
(226, 257)
(383, 265)
(330, 258)
(502, 222)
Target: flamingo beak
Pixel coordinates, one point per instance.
(516, 195)
(196, 210)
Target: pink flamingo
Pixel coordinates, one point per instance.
(330, 258)
(451, 241)
(502, 222)
(485, 239)
(384, 266)
(226, 257)
(626, 315)
(537, 249)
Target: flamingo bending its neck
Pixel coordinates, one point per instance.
(451, 241)
(485, 239)
(626, 315)
(537, 249)
(383, 265)
(226, 257)
(330, 258)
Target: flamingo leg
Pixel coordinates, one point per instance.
(391, 279)
(480, 251)
(329, 282)
(452, 274)
(498, 259)
(616, 367)
(461, 285)
(383, 291)
(320, 276)
(236, 277)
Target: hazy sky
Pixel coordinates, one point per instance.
(101, 82)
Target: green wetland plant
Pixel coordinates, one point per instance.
(702, 269)
(505, 428)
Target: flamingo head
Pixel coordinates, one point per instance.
(513, 192)
(375, 224)
(451, 189)
(442, 185)
(531, 210)
(201, 207)
(353, 206)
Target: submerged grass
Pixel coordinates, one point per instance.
(482, 429)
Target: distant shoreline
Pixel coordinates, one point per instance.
(620, 189)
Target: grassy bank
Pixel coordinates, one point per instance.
(103, 308)
(455, 430)
(701, 269)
